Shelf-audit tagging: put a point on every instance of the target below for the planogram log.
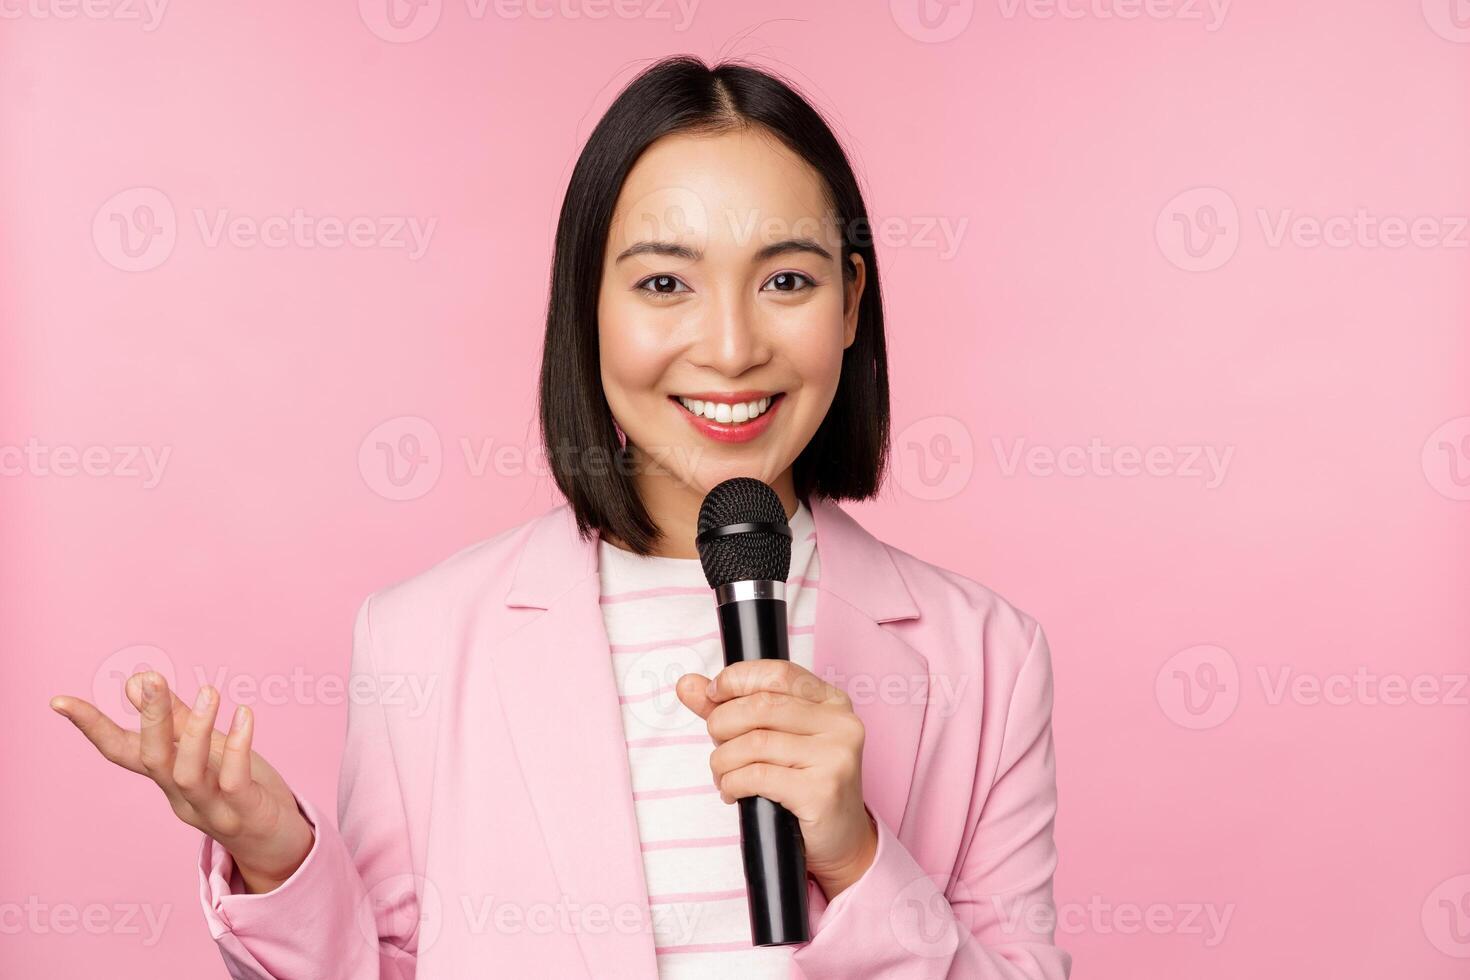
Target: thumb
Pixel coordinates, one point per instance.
(691, 689)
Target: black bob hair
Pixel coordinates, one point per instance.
(846, 457)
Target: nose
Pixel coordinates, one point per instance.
(730, 339)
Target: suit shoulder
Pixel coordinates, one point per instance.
(460, 577)
(972, 608)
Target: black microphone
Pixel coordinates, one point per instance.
(744, 547)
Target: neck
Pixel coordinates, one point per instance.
(674, 506)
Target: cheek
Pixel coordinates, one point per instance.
(634, 354)
(814, 345)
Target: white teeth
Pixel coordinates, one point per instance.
(728, 412)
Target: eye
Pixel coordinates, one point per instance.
(789, 282)
(661, 285)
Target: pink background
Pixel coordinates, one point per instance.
(1330, 829)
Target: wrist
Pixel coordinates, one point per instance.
(834, 882)
(259, 881)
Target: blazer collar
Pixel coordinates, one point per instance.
(856, 566)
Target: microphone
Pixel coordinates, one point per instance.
(744, 547)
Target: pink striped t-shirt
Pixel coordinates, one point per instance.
(660, 619)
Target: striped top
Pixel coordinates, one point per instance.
(660, 618)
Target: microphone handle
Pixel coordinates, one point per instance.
(770, 836)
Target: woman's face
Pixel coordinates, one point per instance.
(723, 313)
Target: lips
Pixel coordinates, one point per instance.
(737, 416)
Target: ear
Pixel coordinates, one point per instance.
(852, 294)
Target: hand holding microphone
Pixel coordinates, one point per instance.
(789, 746)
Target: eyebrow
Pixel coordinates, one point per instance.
(674, 250)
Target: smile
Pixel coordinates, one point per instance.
(733, 417)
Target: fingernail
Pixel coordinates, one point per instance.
(201, 702)
(709, 692)
(239, 721)
(150, 688)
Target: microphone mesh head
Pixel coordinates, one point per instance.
(747, 555)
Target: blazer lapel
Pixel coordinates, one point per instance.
(860, 589)
(556, 686)
(572, 752)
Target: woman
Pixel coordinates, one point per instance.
(562, 804)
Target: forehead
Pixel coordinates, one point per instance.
(734, 190)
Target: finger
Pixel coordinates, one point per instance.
(691, 690)
(192, 774)
(156, 730)
(134, 690)
(767, 709)
(779, 784)
(116, 744)
(783, 676)
(765, 745)
(234, 769)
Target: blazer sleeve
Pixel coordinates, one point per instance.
(994, 918)
(350, 912)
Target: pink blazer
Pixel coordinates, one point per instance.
(488, 830)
